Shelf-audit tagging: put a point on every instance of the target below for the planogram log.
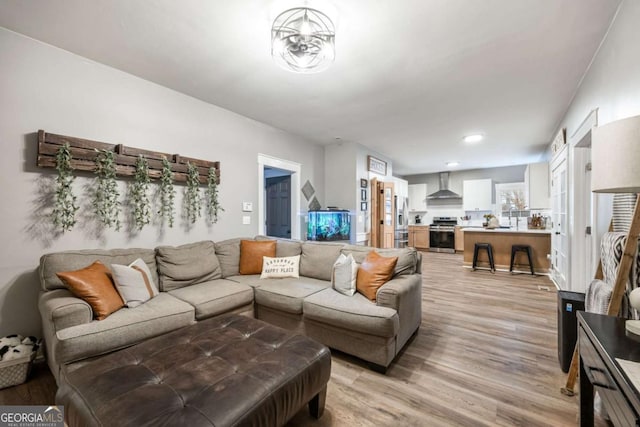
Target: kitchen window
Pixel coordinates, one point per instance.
(511, 199)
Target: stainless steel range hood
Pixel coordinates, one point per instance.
(444, 192)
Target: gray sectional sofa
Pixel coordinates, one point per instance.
(201, 280)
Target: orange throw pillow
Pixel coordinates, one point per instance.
(375, 271)
(251, 253)
(94, 285)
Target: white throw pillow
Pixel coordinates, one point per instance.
(280, 267)
(134, 282)
(345, 272)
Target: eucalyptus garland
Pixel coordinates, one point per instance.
(105, 196)
(192, 199)
(139, 194)
(167, 192)
(65, 203)
(213, 205)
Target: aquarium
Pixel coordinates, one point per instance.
(329, 225)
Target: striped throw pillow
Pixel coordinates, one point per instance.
(134, 282)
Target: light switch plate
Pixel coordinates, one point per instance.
(246, 219)
(247, 207)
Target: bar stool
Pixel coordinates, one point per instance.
(521, 248)
(486, 246)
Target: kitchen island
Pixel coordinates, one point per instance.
(501, 240)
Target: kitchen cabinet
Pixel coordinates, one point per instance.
(477, 195)
(419, 236)
(536, 182)
(458, 239)
(417, 197)
(401, 187)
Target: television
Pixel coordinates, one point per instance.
(328, 225)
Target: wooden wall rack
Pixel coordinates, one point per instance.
(83, 155)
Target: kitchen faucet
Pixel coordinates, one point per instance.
(517, 218)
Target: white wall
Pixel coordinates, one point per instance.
(43, 87)
(345, 165)
(340, 179)
(612, 85)
(362, 172)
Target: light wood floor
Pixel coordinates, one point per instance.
(485, 355)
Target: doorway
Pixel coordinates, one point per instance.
(277, 185)
(583, 229)
(382, 214)
(559, 207)
(292, 170)
(582, 265)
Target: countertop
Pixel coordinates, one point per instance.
(493, 230)
(506, 230)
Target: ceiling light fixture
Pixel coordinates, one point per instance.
(453, 164)
(470, 139)
(303, 40)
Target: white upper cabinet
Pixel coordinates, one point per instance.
(401, 187)
(536, 182)
(477, 195)
(417, 197)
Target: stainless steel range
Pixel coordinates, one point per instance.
(442, 234)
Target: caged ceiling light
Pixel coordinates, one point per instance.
(303, 40)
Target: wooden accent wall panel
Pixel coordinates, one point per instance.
(84, 152)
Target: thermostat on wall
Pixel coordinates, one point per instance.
(247, 207)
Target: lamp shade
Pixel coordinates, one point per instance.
(615, 154)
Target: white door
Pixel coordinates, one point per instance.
(587, 208)
(580, 206)
(278, 209)
(559, 236)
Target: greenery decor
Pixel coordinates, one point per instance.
(105, 196)
(167, 192)
(213, 206)
(487, 217)
(48, 144)
(192, 196)
(139, 194)
(65, 203)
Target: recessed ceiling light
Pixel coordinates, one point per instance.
(453, 164)
(473, 138)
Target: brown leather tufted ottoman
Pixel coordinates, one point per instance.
(228, 370)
